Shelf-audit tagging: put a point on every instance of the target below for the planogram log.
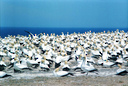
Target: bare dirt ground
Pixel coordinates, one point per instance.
(67, 81)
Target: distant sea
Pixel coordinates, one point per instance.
(5, 31)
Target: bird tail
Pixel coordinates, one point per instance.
(71, 74)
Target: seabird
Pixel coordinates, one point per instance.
(87, 67)
(32, 63)
(66, 66)
(2, 64)
(3, 74)
(18, 67)
(121, 71)
(44, 65)
(107, 63)
(61, 73)
(36, 36)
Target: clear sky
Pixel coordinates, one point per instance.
(64, 13)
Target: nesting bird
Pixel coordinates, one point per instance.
(121, 71)
(61, 73)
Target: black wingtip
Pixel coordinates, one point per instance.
(26, 31)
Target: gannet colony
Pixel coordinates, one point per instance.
(66, 54)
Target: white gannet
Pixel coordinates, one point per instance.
(125, 54)
(44, 65)
(68, 50)
(24, 50)
(2, 64)
(23, 60)
(65, 57)
(100, 61)
(107, 63)
(58, 60)
(119, 60)
(30, 53)
(3, 74)
(11, 64)
(19, 67)
(90, 59)
(61, 73)
(87, 67)
(66, 66)
(126, 63)
(37, 56)
(105, 55)
(79, 63)
(121, 71)
(48, 56)
(2, 53)
(96, 53)
(32, 63)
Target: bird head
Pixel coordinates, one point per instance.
(57, 69)
(84, 57)
(100, 57)
(42, 60)
(119, 66)
(3, 59)
(15, 59)
(66, 62)
(30, 57)
(5, 51)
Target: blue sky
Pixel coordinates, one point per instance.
(64, 13)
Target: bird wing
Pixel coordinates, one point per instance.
(120, 70)
(2, 74)
(29, 33)
(62, 73)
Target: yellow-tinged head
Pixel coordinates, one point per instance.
(5, 51)
(30, 57)
(42, 60)
(18, 61)
(15, 59)
(95, 49)
(103, 50)
(106, 60)
(100, 57)
(119, 66)
(37, 52)
(2, 59)
(66, 62)
(57, 69)
(47, 53)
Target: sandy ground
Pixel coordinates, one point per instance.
(67, 81)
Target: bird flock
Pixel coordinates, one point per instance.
(64, 54)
